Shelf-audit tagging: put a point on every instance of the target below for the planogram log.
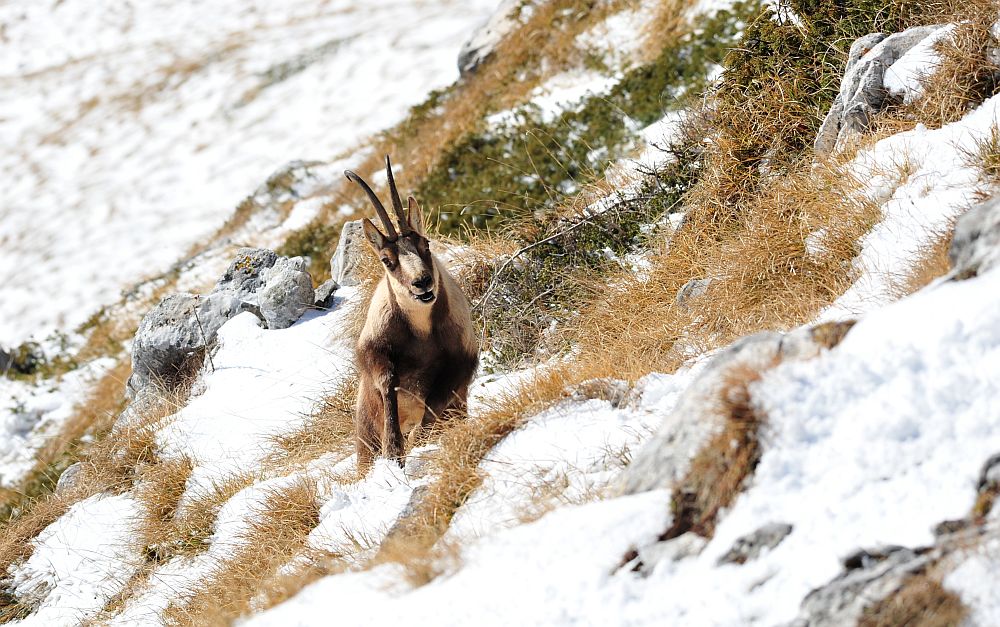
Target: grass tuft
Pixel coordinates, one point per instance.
(930, 264)
(276, 535)
(330, 429)
(921, 602)
(720, 469)
(968, 73)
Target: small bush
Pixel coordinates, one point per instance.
(528, 167)
(720, 469)
(987, 156)
(920, 602)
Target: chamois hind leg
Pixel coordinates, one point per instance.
(439, 410)
(422, 432)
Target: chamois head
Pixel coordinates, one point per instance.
(406, 253)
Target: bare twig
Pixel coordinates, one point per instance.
(204, 337)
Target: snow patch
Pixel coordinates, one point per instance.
(81, 560)
(923, 179)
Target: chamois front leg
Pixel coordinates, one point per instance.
(392, 434)
(383, 375)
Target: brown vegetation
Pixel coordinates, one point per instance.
(719, 470)
(775, 258)
(921, 602)
(930, 264)
(967, 74)
(987, 157)
(330, 429)
(276, 534)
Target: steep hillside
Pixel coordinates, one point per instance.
(734, 265)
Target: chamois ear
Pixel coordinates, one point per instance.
(373, 235)
(416, 215)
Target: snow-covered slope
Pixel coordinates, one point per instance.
(871, 444)
(867, 445)
(131, 131)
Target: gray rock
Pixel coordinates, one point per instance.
(862, 90)
(243, 276)
(173, 338)
(749, 547)
(975, 246)
(345, 265)
(68, 479)
(285, 292)
(5, 361)
(484, 39)
(870, 577)
(169, 344)
(692, 289)
(323, 296)
(664, 459)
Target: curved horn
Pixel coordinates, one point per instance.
(397, 204)
(379, 209)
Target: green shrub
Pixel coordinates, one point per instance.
(316, 241)
(532, 164)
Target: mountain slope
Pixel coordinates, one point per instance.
(732, 374)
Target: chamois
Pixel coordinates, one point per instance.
(418, 351)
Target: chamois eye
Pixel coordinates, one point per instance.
(387, 262)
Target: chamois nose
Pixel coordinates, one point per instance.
(422, 283)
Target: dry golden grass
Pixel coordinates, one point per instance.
(422, 559)
(764, 276)
(190, 528)
(667, 25)
(132, 588)
(550, 493)
(719, 470)
(966, 75)
(276, 536)
(310, 566)
(159, 491)
(330, 429)
(930, 264)
(986, 156)
(921, 602)
(111, 464)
